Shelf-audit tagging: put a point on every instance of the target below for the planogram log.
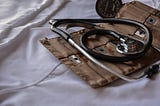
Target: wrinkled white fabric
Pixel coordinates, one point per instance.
(31, 76)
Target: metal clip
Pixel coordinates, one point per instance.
(151, 20)
(101, 49)
(74, 59)
(140, 33)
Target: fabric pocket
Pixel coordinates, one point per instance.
(90, 72)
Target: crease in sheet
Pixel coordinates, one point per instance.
(5, 91)
(21, 30)
(32, 23)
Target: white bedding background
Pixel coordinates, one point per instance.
(31, 76)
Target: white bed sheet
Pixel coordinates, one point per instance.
(31, 76)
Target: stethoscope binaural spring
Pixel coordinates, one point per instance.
(123, 47)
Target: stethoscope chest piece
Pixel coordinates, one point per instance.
(129, 46)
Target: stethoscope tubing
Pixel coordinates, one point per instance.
(67, 37)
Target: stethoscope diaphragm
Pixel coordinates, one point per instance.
(108, 8)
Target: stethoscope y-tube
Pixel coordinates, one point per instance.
(93, 57)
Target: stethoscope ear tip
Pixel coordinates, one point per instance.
(154, 69)
(52, 22)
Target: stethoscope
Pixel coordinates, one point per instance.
(131, 48)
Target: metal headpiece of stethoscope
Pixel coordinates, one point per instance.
(130, 47)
